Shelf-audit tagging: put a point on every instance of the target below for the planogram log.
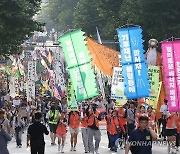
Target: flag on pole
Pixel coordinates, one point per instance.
(98, 36)
(101, 83)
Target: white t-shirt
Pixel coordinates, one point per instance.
(164, 109)
(5, 123)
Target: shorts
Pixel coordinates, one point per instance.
(171, 132)
(53, 128)
(60, 136)
(74, 130)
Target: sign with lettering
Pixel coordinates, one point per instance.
(79, 64)
(135, 71)
(171, 65)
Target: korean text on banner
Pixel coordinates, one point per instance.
(177, 66)
(170, 63)
(71, 100)
(79, 66)
(31, 80)
(133, 60)
(74, 48)
(117, 89)
(83, 80)
(154, 83)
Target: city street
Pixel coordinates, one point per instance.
(157, 149)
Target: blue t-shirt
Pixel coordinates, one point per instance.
(140, 141)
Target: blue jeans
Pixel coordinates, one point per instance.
(113, 139)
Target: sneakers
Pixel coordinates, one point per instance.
(62, 149)
(72, 149)
(97, 152)
(59, 147)
(53, 143)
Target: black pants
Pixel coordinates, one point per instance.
(131, 127)
(164, 127)
(37, 149)
(177, 139)
(18, 134)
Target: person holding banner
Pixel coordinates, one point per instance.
(93, 128)
(61, 131)
(73, 122)
(84, 128)
(116, 127)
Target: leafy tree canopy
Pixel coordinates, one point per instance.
(17, 23)
(158, 18)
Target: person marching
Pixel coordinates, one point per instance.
(35, 134)
(131, 116)
(163, 120)
(115, 128)
(18, 125)
(13, 114)
(142, 112)
(74, 122)
(122, 114)
(61, 131)
(84, 129)
(140, 140)
(171, 130)
(93, 129)
(151, 117)
(107, 118)
(53, 115)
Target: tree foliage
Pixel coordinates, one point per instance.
(17, 23)
(158, 18)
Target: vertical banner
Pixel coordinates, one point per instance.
(177, 67)
(14, 87)
(171, 57)
(71, 100)
(79, 64)
(83, 80)
(117, 89)
(52, 81)
(135, 71)
(31, 80)
(154, 84)
(58, 70)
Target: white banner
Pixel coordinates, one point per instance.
(31, 80)
(117, 89)
(59, 69)
(14, 87)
